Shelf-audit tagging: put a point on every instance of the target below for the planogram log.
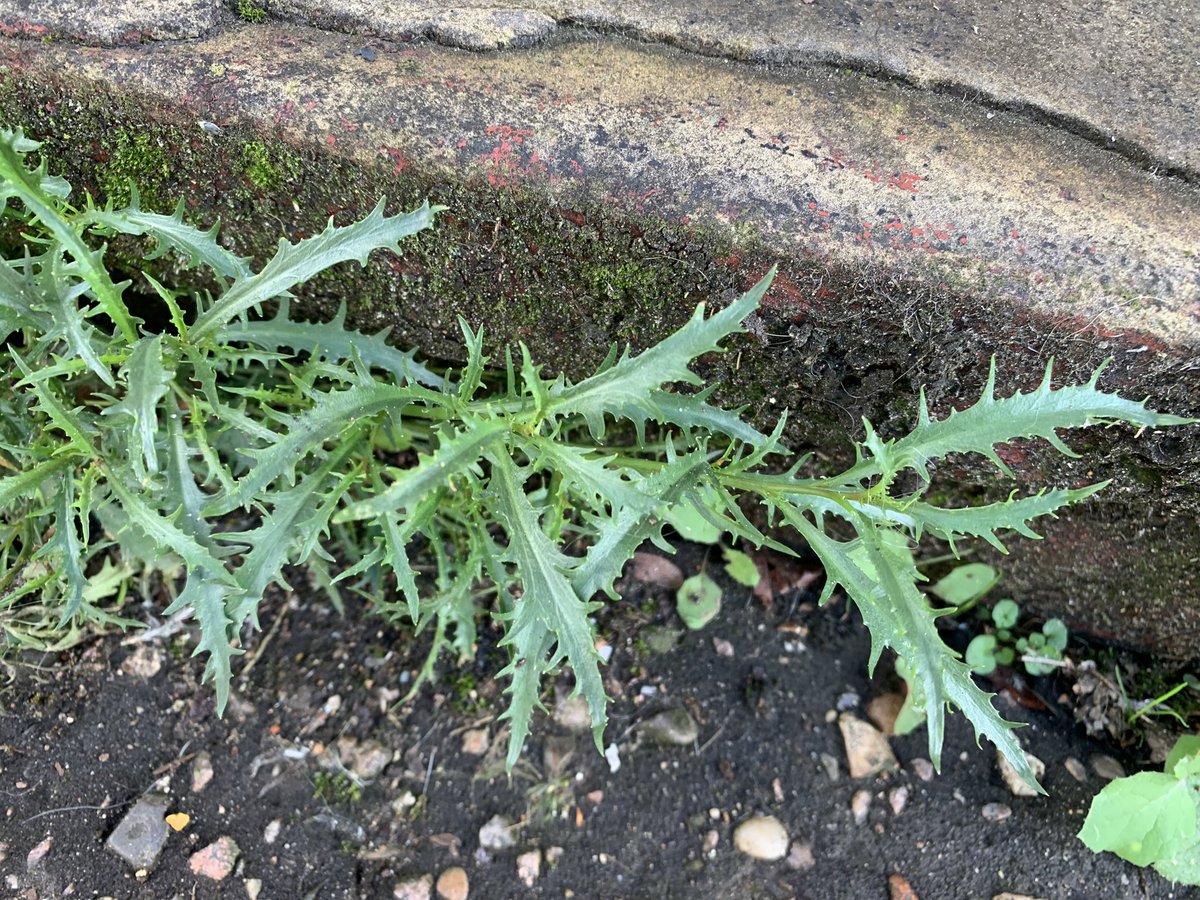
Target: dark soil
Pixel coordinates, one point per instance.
(82, 737)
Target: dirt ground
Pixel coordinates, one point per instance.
(84, 736)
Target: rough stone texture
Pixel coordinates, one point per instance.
(599, 188)
(113, 22)
(1124, 74)
(142, 832)
(490, 29)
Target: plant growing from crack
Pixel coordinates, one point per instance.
(154, 447)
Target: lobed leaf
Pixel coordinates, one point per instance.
(549, 622)
(331, 341)
(989, 422)
(632, 382)
(296, 263)
(877, 572)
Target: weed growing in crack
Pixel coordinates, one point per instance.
(132, 447)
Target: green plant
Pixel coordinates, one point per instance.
(1153, 818)
(1040, 651)
(250, 11)
(230, 446)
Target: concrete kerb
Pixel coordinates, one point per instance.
(918, 235)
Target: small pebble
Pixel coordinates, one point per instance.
(868, 752)
(253, 888)
(216, 860)
(830, 764)
(801, 858)
(414, 889)
(899, 888)
(670, 727)
(1012, 779)
(847, 701)
(711, 839)
(923, 768)
(367, 53)
(761, 837)
(453, 884)
(723, 647)
(553, 855)
(898, 799)
(613, 756)
(271, 832)
(860, 806)
(572, 713)
(497, 834)
(475, 741)
(1076, 769)
(529, 866)
(1107, 767)
(883, 710)
(202, 772)
(996, 812)
(38, 853)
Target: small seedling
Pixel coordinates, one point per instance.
(698, 601)
(1040, 652)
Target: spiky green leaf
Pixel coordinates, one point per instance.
(550, 621)
(632, 383)
(296, 263)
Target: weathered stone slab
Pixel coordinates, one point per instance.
(598, 188)
(110, 22)
(1125, 74)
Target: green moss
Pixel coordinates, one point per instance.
(331, 787)
(137, 157)
(266, 168)
(250, 11)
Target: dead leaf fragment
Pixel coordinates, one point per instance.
(178, 821)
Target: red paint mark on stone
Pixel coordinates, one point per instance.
(1016, 234)
(962, 239)
(902, 137)
(400, 162)
(330, 140)
(905, 181)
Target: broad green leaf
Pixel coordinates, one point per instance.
(1142, 818)
(1056, 634)
(698, 601)
(689, 519)
(330, 340)
(741, 568)
(41, 195)
(966, 583)
(1187, 745)
(296, 263)
(981, 654)
(549, 620)
(632, 382)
